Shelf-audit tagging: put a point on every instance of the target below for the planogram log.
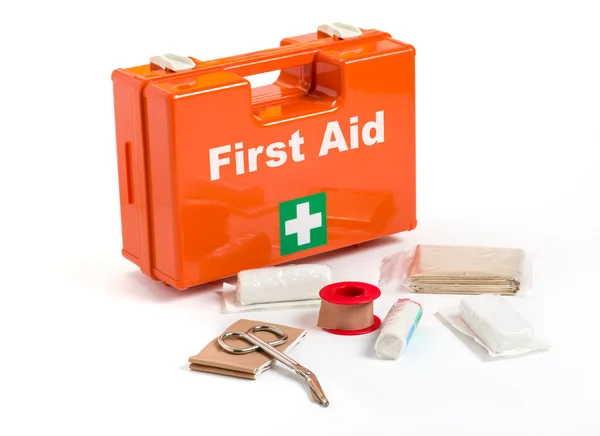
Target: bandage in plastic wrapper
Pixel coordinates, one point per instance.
(494, 324)
(446, 269)
(398, 328)
(286, 287)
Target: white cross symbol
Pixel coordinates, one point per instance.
(303, 223)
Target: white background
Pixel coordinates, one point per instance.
(508, 127)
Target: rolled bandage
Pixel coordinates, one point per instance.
(278, 284)
(496, 323)
(397, 328)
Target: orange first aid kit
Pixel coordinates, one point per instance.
(217, 177)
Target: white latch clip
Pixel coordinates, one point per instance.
(172, 62)
(340, 30)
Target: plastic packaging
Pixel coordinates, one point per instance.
(494, 324)
(398, 328)
(494, 321)
(231, 303)
(290, 286)
(445, 269)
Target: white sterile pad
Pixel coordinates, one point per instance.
(495, 322)
(277, 287)
(495, 325)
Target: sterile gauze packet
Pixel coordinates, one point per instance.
(496, 323)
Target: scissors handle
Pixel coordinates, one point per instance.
(311, 378)
(283, 337)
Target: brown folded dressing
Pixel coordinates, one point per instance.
(439, 269)
(216, 360)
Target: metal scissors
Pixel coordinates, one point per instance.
(269, 349)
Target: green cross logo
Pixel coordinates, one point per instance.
(302, 223)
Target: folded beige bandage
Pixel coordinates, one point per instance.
(439, 269)
(216, 360)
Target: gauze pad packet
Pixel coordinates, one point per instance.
(494, 324)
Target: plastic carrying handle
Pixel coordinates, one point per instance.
(301, 76)
(272, 60)
(286, 98)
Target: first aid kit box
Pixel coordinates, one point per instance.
(217, 176)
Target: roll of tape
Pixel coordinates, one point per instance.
(347, 308)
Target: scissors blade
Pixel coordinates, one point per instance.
(315, 387)
(316, 391)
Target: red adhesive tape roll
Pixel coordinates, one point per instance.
(347, 308)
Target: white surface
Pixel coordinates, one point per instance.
(508, 136)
